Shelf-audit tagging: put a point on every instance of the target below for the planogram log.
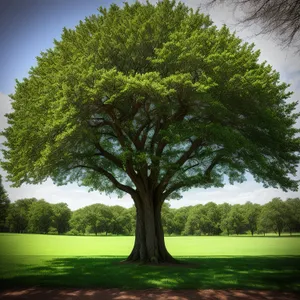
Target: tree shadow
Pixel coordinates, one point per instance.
(244, 272)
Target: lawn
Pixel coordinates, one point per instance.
(86, 261)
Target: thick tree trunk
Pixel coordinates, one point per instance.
(149, 245)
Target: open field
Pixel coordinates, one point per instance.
(268, 263)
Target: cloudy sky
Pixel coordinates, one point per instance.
(28, 27)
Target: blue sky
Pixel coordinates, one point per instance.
(28, 27)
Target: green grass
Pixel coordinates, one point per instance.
(216, 262)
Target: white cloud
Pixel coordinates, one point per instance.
(283, 60)
(5, 107)
(234, 194)
(71, 194)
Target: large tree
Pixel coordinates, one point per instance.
(151, 101)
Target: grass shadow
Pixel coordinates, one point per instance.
(244, 272)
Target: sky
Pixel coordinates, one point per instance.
(28, 27)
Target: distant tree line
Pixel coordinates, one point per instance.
(276, 216)
(38, 216)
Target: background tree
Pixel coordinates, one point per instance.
(212, 218)
(4, 205)
(18, 215)
(78, 221)
(280, 17)
(293, 214)
(264, 224)
(151, 101)
(252, 212)
(237, 219)
(40, 217)
(180, 218)
(61, 217)
(121, 222)
(132, 213)
(167, 218)
(99, 217)
(274, 215)
(225, 223)
(193, 224)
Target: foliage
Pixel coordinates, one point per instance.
(225, 224)
(4, 204)
(274, 216)
(293, 214)
(61, 217)
(180, 217)
(40, 217)
(203, 220)
(73, 232)
(208, 219)
(52, 230)
(211, 224)
(99, 217)
(78, 221)
(18, 215)
(95, 218)
(192, 225)
(167, 216)
(252, 212)
(121, 221)
(237, 219)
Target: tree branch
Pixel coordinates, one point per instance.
(190, 181)
(109, 176)
(185, 156)
(109, 156)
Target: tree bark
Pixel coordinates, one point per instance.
(149, 245)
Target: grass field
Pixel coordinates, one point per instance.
(217, 263)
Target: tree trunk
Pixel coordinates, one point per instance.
(149, 245)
